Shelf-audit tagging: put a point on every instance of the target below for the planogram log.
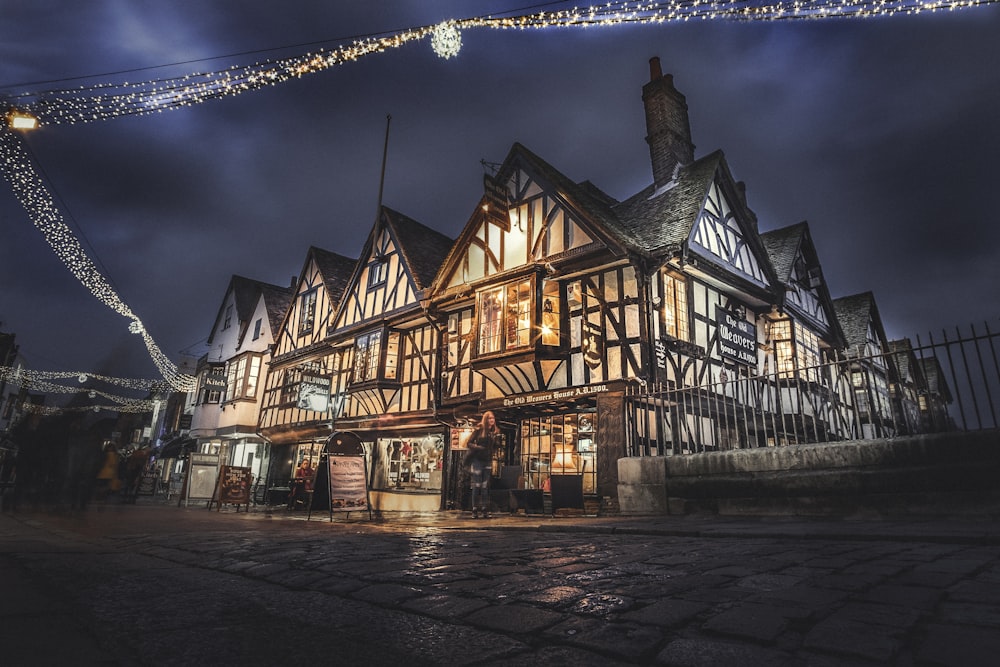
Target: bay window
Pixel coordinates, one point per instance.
(513, 318)
(242, 375)
(376, 356)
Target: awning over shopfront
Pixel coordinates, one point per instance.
(175, 448)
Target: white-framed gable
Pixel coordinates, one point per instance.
(803, 292)
(382, 282)
(537, 226)
(311, 308)
(719, 235)
(256, 336)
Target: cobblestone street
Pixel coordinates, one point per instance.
(162, 585)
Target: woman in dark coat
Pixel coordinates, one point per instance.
(483, 442)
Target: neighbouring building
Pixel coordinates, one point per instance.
(296, 410)
(230, 375)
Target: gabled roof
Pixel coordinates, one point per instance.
(782, 247)
(246, 292)
(277, 301)
(659, 221)
(423, 248)
(853, 313)
(937, 382)
(585, 197)
(335, 269)
(903, 356)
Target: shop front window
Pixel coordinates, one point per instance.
(559, 445)
(409, 463)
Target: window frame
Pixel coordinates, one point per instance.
(511, 317)
(381, 357)
(307, 310)
(243, 377)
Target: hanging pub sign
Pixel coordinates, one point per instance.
(314, 393)
(497, 202)
(737, 337)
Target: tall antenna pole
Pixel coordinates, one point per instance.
(381, 182)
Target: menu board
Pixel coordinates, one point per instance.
(203, 470)
(234, 485)
(348, 487)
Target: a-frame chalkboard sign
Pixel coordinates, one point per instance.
(343, 476)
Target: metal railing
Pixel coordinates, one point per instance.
(950, 382)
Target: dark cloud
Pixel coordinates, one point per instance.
(881, 133)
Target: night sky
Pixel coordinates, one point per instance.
(881, 133)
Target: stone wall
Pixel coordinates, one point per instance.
(931, 474)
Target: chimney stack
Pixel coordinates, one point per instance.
(668, 131)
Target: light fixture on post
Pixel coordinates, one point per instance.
(21, 120)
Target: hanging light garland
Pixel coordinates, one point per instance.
(35, 198)
(112, 100)
(18, 375)
(54, 410)
(140, 404)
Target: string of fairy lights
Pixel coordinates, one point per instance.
(109, 100)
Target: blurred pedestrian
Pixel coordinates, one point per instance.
(108, 481)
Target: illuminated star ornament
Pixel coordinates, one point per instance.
(446, 40)
(87, 104)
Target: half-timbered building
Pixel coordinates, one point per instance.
(224, 418)
(296, 413)
(865, 359)
(384, 348)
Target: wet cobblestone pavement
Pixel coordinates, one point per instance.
(161, 585)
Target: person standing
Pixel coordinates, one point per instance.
(482, 444)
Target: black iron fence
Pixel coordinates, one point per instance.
(948, 382)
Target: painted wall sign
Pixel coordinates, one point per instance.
(554, 395)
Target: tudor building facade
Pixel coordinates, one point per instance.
(576, 318)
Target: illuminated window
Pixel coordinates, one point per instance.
(550, 314)
(509, 317)
(241, 377)
(795, 348)
(368, 356)
(366, 353)
(675, 307)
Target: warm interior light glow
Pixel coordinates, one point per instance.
(18, 120)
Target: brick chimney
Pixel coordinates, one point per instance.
(668, 131)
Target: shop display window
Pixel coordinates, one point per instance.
(559, 445)
(413, 464)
